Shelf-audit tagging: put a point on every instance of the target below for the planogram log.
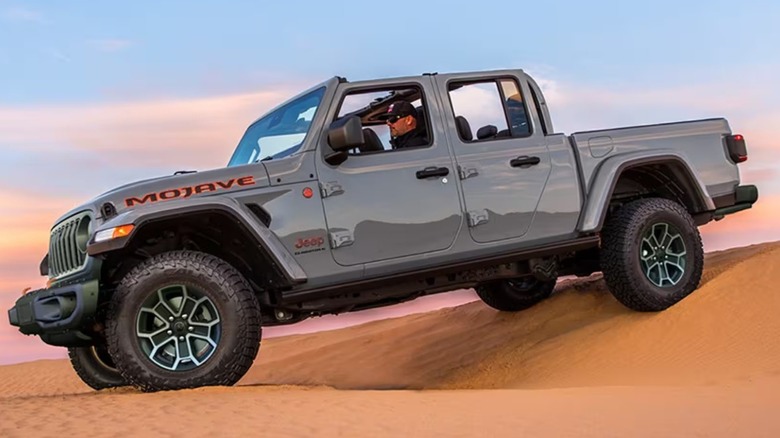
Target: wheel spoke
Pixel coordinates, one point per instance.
(662, 254)
(664, 274)
(157, 338)
(204, 338)
(153, 353)
(159, 320)
(188, 307)
(647, 251)
(649, 270)
(178, 328)
(200, 329)
(163, 311)
(164, 303)
(664, 227)
(668, 237)
(183, 349)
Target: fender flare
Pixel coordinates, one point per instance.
(265, 238)
(608, 173)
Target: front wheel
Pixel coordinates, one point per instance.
(183, 319)
(651, 254)
(95, 367)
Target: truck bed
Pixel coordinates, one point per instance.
(702, 141)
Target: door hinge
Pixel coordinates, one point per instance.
(477, 217)
(330, 188)
(467, 172)
(340, 238)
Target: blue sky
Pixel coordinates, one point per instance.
(76, 51)
(96, 94)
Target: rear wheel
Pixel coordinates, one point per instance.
(183, 319)
(95, 367)
(515, 294)
(651, 254)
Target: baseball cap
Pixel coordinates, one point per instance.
(401, 108)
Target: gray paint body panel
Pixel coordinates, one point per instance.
(269, 241)
(609, 171)
(389, 211)
(701, 141)
(509, 195)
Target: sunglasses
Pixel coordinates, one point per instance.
(394, 119)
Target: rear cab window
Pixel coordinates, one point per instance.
(489, 109)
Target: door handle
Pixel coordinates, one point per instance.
(429, 172)
(524, 161)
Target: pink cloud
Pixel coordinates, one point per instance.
(758, 224)
(199, 132)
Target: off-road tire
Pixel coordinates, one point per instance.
(95, 367)
(621, 257)
(232, 297)
(507, 296)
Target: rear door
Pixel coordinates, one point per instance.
(503, 163)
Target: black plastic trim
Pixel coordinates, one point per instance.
(697, 194)
(576, 244)
(33, 312)
(725, 200)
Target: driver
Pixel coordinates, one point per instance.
(401, 119)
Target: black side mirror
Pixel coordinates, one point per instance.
(345, 134)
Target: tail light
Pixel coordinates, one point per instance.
(737, 148)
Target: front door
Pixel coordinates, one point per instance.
(503, 161)
(390, 199)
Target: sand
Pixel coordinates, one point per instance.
(579, 364)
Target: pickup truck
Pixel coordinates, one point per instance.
(355, 195)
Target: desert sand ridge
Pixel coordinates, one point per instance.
(577, 364)
(580, 337)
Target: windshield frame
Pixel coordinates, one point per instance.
(314, 125)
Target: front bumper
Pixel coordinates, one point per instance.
(58, 314)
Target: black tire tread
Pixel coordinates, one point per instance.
(616, 251)
(235, 364)
(91, 371)
(495, 295)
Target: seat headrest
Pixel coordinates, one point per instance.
(464, 130)
(420, 115)
(486, 131)
(371, 141)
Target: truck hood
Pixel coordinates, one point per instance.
(156, 190)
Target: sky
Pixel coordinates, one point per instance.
(94, 95)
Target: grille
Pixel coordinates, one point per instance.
(65, 256)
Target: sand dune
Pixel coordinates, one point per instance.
(577, 364)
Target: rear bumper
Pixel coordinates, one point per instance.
(57, 315)
(743, 198)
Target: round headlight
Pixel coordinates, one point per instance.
(83, 233)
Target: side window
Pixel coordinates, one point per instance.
(489, 110)
(391, 118)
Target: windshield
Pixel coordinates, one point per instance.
(280, 133)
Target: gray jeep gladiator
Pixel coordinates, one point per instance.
(323, 208)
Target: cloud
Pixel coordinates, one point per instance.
(756, 225)
(59, 55)
(110, 45)
(192, 133)
(17, 13)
